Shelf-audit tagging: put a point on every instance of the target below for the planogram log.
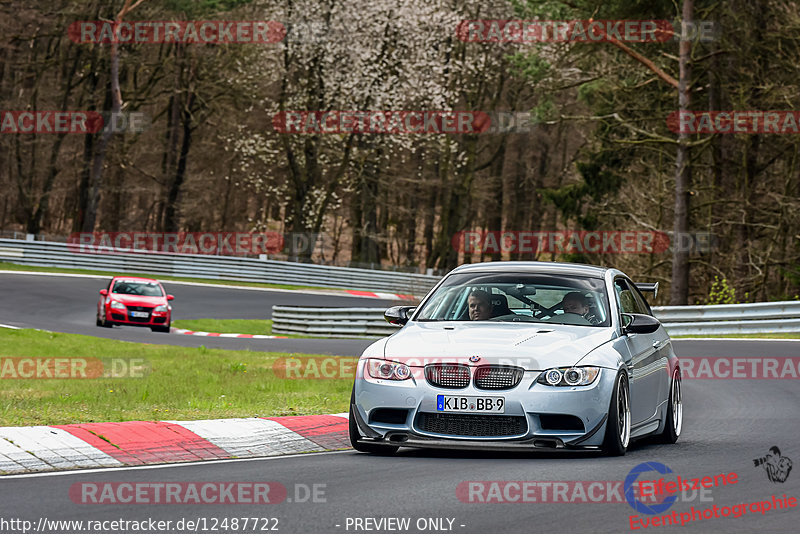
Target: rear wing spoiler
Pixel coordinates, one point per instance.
(648, 287)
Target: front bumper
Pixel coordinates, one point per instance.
(123, 317)
(538, 404)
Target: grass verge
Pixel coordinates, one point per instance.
(182, 383)
(22, 268)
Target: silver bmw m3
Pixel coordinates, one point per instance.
(520, 356)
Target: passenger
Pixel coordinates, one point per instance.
(480, 305)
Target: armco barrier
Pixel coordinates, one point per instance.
(753, 318)
(51, 254)
(758, 318)
(338, 322)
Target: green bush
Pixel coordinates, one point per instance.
(721, 292)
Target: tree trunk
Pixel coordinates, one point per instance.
(679, 290)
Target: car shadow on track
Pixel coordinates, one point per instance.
(640, 445)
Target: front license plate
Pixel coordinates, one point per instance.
(452, 403)
(139, 314)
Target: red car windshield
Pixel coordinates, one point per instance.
(144, 289)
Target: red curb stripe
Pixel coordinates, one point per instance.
(328, 431)
(146, 442)
(245, 335)
(362, 293)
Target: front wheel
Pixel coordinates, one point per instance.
(384, 450)
(674, 422)
(618, 426)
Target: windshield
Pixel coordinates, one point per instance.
(518, 297)
(144, 289)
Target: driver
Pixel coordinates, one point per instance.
(480, 305)
(576, 302)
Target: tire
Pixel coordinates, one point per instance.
(103, 323)
(618, 426)
(674, 422)
(383, 450)
(164, 329)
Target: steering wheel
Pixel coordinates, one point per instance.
(514, 318)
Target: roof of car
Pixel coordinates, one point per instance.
(544, 267)
(134, 279)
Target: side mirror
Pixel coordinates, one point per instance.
(398, 315)
(104, 292)
(637, 323)
(170, 297)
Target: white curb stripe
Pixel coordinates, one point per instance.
(56, 447)
(214, 334)
(15, 460)
(250, 437)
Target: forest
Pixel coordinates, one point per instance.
(402, 134)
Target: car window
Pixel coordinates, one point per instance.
(144, 289)
(641, 301)
(518, 297)
(626, 298)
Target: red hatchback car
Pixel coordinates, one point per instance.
(133, 301)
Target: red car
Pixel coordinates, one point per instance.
(133, 301)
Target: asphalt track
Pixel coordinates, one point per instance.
(727, 424)
(68, 304)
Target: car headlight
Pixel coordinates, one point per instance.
(569, 376)
(115, 305)
(387, 370)
(161, 308)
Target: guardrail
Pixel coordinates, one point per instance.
(331, 322)
(232, 268)
(753, 318)
(758, 318)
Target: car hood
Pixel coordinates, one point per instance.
(536, 347)
(138, 300)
